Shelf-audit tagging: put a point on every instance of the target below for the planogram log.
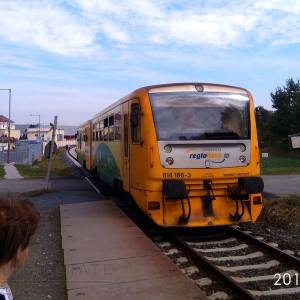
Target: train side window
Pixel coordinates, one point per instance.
(117, 127)
(105, 122)
(135, 123)
(126, 135)
(111, 121)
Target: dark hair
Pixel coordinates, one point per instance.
(18, 222)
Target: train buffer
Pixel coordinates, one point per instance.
(107, 256)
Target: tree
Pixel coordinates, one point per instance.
(285, 120)
(263, 122)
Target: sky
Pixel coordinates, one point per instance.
(72, 58)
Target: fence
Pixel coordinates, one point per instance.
(26, 152)
(61, 144)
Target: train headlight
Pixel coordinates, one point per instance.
(170, 160)
(168, 148)
(243, 148)
(242, 158)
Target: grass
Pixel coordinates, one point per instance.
(282, 212)
(2, 172)
(280, 165)
(39, 169)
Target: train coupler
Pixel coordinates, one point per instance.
(208, 198)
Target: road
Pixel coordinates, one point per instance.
(282, 184)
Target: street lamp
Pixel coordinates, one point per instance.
(9, 104)
(32, 115)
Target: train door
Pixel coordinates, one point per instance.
(125, 147)
(137, 170)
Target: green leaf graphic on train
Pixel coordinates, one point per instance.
(106, 164)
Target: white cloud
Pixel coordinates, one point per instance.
(82, 27)
(46, 26)
(217, 29)
(114, 32)
(289, 6)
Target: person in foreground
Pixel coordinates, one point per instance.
(18, 222)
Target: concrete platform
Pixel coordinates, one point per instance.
(108, 257)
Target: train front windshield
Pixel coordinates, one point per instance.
(182, 116)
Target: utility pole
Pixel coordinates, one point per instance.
(53, 126)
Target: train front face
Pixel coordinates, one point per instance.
(209, 157)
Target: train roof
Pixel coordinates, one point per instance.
(220, 86)
(181, 86)
(84, 124)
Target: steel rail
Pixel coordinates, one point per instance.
(69, 148)
(200, 261)
(263, 246)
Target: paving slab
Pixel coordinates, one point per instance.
(107, 256)
(160, 288)
(75, 239)
(119, 270)
(107, 249)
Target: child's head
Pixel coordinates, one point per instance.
(18, 222)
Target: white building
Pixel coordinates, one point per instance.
(36, 133)
(4, 124)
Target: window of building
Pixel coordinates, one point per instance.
(60, 137)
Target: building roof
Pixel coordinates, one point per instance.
(3, 119)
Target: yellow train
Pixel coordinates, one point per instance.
(186, 153)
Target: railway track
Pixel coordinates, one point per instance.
(241, 263)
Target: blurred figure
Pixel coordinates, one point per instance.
(18, 222)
